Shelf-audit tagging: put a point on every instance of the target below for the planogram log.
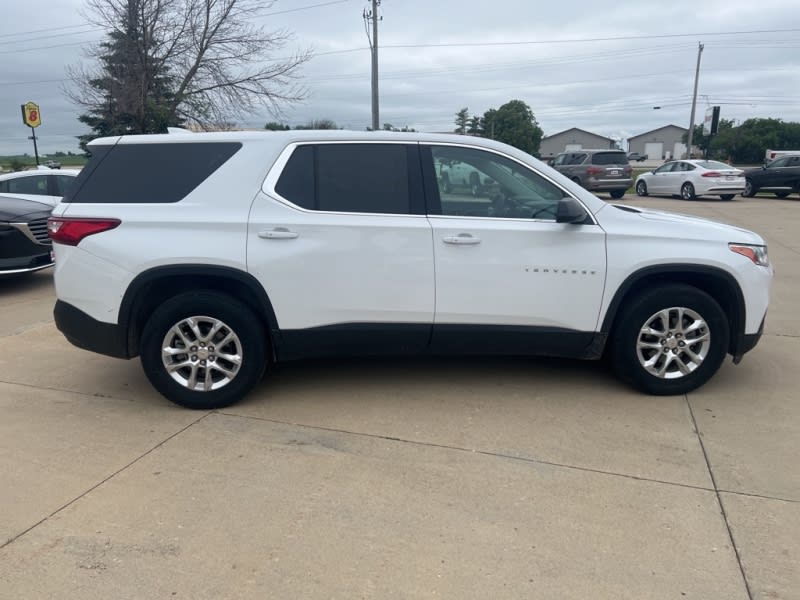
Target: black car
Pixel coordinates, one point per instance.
(24, 243)
(781, 176)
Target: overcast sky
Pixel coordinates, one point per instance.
(567, 60)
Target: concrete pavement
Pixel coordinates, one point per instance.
(444, 478)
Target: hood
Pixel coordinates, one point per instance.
(13, 208)
(687, 226)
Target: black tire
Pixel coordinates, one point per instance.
(617, 194)
(640, 311)
(749, 189)
(641, 188)
(782, 195)
(687, 191)
(249, 343)
(726, 196)
(577, 180)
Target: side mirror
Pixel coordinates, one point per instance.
(570, 210)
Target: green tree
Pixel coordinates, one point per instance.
(474, 127)
(319, 124)
(487, 123)
(747, 143)
(462, 121)
(515, 125)
(275, 126)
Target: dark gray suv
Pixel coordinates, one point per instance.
(597, 170)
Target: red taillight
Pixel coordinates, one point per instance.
(594, 171)
(712, 174)
(71, 231)
(628, 169)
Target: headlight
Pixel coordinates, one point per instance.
(758, 254)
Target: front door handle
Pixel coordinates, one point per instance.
(462, 239)
(278, 233)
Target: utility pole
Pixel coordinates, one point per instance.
(372, 15)
(694, 102)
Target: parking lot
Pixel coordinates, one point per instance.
(412, 478)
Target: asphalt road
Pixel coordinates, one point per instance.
(447, 478)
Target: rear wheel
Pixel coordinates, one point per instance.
(727, 196)
(577, 180)
(687, 191)
(201, 350)
(641, 188)
(749, 189)
(617, 194)
(669, 340)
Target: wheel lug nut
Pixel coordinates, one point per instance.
(211, 358)
(202, 363)
(681, 344)
(193, 348)
(202, 344)
(194, 357)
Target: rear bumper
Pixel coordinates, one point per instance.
(88, 333)
(600, 185)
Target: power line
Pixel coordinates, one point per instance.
(309, 7)
(2, 35)
(582, 40)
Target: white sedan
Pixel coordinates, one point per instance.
(692, 178)
(41, 185)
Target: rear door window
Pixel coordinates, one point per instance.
(354, 178)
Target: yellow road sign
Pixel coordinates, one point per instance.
(31, 115)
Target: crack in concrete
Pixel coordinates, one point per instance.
(11, 540)
(471, 451)
(719, 500)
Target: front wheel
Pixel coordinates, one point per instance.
(749, 189)
(727, 196)
(670, 339)
(616, 194)
(641, 188)
(201, 350)
(687, 191)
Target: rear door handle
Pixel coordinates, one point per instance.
(278, 233)
(462, 239)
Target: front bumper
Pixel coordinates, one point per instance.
(747, 342)
(21, 254)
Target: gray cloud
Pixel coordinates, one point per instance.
(606, 86)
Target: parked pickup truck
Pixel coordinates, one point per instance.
(781, 176)
(635, 156)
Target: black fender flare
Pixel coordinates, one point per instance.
(135, 296)
(713, 280)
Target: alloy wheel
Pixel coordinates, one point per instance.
(673, 342)
(201, 353)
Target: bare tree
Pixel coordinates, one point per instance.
(165, 62)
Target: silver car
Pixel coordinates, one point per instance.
(597, 170)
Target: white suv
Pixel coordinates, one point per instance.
(214, 255)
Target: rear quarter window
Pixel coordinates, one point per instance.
(148, 173)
